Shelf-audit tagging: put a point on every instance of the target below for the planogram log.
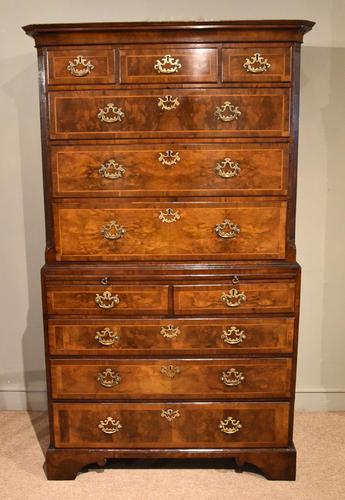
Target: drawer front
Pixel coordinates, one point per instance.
(169, 113)
(256, 297)
(81, 66)
(110, 300)
(179, 231)
(169, 65)
(257, 64)
(170, 170)
(179, 425)
(181, 336)
(171, 378)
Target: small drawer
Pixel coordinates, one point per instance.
(180, 336)
(257, 64)
(167, 113)
(171, 378)
(170, 170)
(246, 297)
(110, 300)
(176, 425)
(110, 231)
(169, 65)
(81, 66)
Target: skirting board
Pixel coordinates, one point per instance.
(306, 399)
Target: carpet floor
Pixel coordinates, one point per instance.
(319, 438)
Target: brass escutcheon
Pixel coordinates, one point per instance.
(106, 300)
(110, 113)
(170, 371)
(170, 414)
(228, 168)
(167, 64)
(233, 298)
(167, 103)
(227, 229)
(170, 331)
(232, 377)
(230, 425)
(111, 170)
(227, 112)
(108, 378)
(110, 425)
(107, 336)
(256, 64)
(233, 336)
(86, 66)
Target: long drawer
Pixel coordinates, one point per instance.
(178, 336)
(95, 299)
(176, 425)
(169, 113)
(171, 378)
(177, 231)
(170, 170)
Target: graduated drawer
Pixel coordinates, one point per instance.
(169, 113)
(248, 63)
(170, 170)
(176, 425)
(110, 300)
(247, 297)
(169, 65)
(81, 66)
(178, 336)
(171, 378)
(104, 230)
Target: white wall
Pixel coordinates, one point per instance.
(321, 193)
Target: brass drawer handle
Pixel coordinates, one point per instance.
(256, 64)
(232, 377)
(167, 103)
(170, 331)
(167, 64)
(229, 425)
(112, 170)
(107, 336)
(109, 425)
(110, 113)
(112, 230)
(170, 371)
(170, 414)
(169, 158)
(227, 112)
(228, 168)
(106, 300)
(233, 298)
(108, 378)
(86, 66)
(227, 229)
(233, 336)
(169, 216)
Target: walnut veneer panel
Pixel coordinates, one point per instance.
(112, 300)
(257, 297)
(264, 112)
(169, 65)
(81, 65)
(197, 426)
(78, 231)
(179, 336)
(256, 70)
(171, 378)
(170, 170)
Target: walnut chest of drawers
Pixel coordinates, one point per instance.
(170, 289)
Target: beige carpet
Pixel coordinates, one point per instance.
(319, 437)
